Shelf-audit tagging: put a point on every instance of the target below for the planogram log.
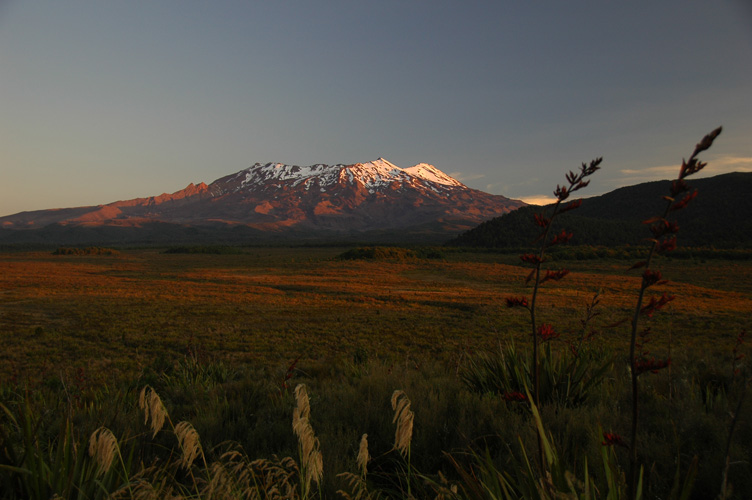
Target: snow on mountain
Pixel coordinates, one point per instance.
(372, 196)
(432, 174)
(373, 175)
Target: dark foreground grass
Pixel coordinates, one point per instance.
(685, 415)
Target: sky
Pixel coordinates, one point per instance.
(112, 100)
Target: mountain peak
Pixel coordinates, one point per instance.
(430, 173)
(375, 175)
(373, 196)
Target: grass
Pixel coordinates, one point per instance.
(248, 411)
(215, 334)
(145, 374)
(142, 309)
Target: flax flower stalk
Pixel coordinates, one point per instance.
(576, 181)
(663, 240)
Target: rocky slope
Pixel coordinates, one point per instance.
(348, 199)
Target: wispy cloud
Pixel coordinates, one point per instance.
(540, 199)
(465, 177)
(731, 163)
(715, 166)
(628, 176)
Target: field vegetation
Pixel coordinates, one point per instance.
(329, 372)
(118, 316)
(224, 338)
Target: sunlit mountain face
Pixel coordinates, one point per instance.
(375, 195)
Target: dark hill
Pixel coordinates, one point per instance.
(720, 216)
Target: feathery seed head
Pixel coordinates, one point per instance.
(301, 399)
(310, 454)
(363, 456)
(103, 447)
(189, 443)
(403, 417)
(154, 410)
(315, 465)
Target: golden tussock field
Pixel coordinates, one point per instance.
(114, 315)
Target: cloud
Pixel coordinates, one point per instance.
(662, 172)
(538, 199)
(462, 177)
(715, 166)
(731, 164)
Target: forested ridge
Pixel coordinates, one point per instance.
(720, 216)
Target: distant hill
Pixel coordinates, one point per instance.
(720, 216)
(273, 202)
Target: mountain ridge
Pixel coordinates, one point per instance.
(720, 216)
(374, 196)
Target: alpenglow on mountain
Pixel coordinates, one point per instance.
(274, 197)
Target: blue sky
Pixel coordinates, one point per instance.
(103, 101)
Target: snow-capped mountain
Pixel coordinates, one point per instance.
(375, 176)
(376, 195)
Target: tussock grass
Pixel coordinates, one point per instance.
(244, 430)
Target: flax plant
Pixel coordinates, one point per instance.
(542, 332)
(663, 241)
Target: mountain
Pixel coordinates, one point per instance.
(373, 200)
(720, 216)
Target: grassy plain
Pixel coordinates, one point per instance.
(118, 316)
(216, 334)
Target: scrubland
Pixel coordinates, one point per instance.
(225, 338)
(122, 315)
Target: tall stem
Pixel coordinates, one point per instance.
(633, 462)
(534, 326)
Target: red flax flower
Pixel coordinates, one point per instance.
(663, 227)
(650, 278)
(561, 193)
(554, 275)
(678, 187)
(562, 237)
(571, 206)
(651, 365)
(611, 439)
(684, 201)
(546, 332)
(517, 302)
(691, 167)
(290, 371)
(667, 245)
(542, 221)
(529, 258)
(515, 396)
(656, 304)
